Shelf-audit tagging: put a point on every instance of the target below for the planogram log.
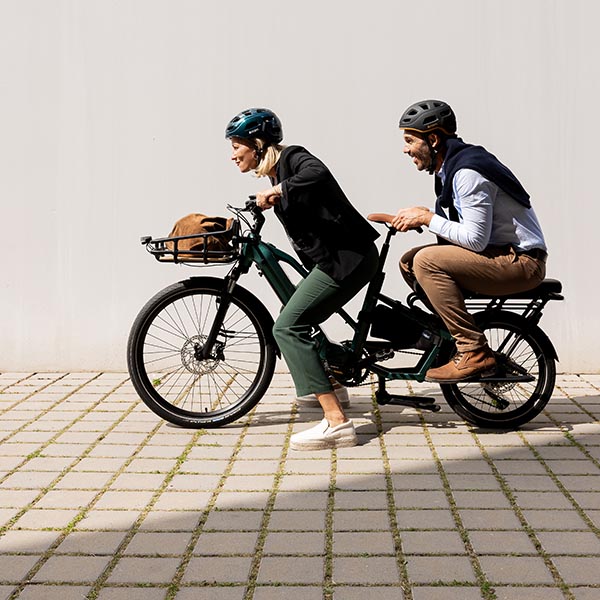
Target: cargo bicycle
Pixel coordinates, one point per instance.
(201, 352)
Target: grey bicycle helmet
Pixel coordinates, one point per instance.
(429, 115)
(256, 123)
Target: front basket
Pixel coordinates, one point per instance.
(210, 247)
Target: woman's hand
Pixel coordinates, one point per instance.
(411, 218)
(269, 198)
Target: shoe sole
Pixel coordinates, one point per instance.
(325, 444)
(471, 378)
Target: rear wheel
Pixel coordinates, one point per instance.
(166, 365)
(522, 351)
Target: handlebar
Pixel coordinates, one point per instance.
(387, 219)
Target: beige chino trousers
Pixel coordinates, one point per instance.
(444, 271)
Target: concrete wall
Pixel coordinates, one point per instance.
(112, 125)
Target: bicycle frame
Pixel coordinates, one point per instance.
(268, 260)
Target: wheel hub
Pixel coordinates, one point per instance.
(190, 352)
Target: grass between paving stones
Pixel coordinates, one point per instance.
(405, 584)
(487, 590)
(264, 526)
(559, 581)
(81, 515)
(40, 450)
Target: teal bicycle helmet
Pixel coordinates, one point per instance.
(255, 123)
(429, 115)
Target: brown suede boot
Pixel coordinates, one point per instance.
(464, 366)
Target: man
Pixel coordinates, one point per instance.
(489, 238)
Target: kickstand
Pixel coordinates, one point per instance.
(383, 397)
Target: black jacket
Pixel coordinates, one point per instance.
(324, 227)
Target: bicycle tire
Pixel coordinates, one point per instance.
(162, 362)
(508, 405)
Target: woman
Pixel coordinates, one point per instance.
(333, 241)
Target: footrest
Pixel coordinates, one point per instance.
(422, 402)
(525, 378)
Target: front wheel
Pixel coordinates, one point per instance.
(507, 405)
(167, 367)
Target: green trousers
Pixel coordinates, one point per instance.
(316, 298)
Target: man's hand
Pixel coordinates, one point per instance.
(269, 198)
(411, 218)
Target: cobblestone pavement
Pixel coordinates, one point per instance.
(100, 499)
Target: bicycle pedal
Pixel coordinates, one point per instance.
(423, 402)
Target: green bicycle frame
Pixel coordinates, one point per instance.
(268, 259)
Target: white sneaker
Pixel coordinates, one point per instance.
(323, 436)
(311, 401)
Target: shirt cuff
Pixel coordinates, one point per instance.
(436, 224)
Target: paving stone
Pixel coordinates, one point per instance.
(473, 518)
(366, 570)
(362, 542)
(516, 570)
(432, 542)
(53, 592)
(510, 542)
(227, 543)
(145, 570)
(363, 520)
(66, 499)
(369, 500)
(46, 518)
(91, 542)
(17, 498)
(420, 499)
(209, 593)
(131, 593)
(295, 543)
(158, 543)
(425, 519)
(232, 520)
(173, 500)
(491, 499)
(14, 568)
(578, 570)
(222, 569)
(528, 593)
(442, 569)
(120, 520)
(291, 570)
(72, 569)
(242, 501)
(569, 542)
(300, 520)
(124, 499)
(582, 593)
(554, 519)
(289, 592)
(179, 520)
(27, 542)
(301, 500)
(445, 593)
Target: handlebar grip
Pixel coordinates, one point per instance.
(387, 218)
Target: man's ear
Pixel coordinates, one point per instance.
(434, 140)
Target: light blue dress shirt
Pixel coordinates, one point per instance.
(487, 216)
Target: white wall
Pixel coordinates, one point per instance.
(112, 118)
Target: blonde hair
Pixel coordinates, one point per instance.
(270, 155)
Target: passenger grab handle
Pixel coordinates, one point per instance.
(385, 218)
